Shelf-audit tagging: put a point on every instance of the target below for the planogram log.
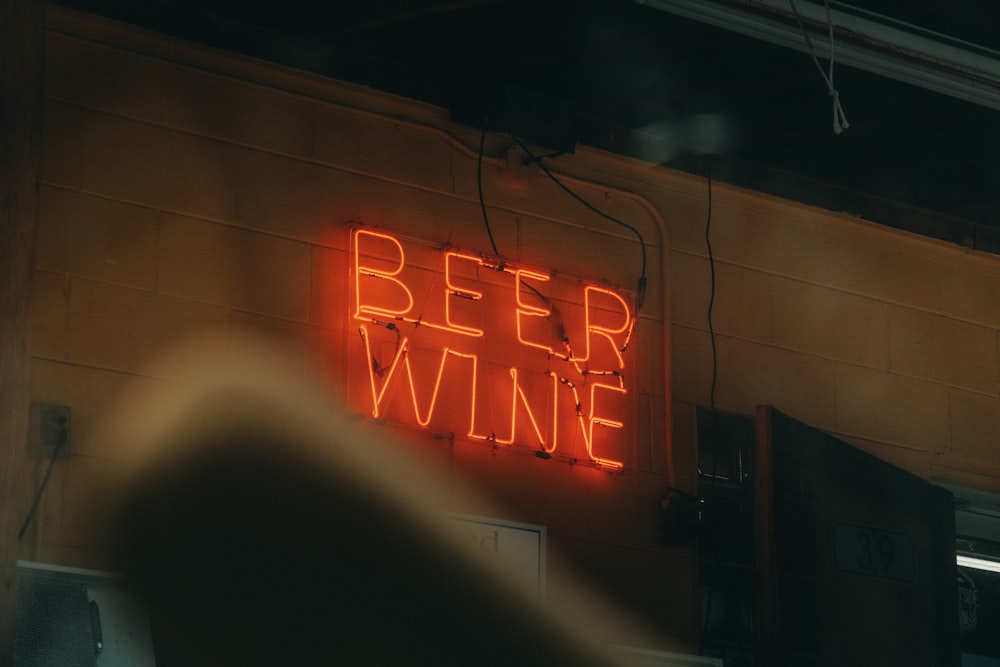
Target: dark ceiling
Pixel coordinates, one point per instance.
(635, 80)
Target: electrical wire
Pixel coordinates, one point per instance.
(641, 288)
(720, 581)
(711, 399)
(41, 489)
(711, 299)
(479, 183)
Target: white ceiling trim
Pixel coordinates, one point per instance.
(862, 39)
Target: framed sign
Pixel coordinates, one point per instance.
(516, 549)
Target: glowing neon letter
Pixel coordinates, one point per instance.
(452, 290)
(626, 326)
(588, 432)
(518, 392)
(379, 394)
(423, 421)
(527, 309)
(555, 414)
(363, 310)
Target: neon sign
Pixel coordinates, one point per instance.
(465, 345)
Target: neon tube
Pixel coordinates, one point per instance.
(378, 395)
(605, 331)
(424, 421)
(373, 272)
(455, 291)
(527, 309)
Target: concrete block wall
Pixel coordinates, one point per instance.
(886, 339)
(184, 189)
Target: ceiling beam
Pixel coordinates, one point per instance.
(862, 39)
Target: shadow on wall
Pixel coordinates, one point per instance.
(265, 527)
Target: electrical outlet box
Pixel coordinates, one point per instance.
(50, 429)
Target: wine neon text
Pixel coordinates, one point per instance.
(459, 343)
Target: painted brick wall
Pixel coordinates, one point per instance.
(184, 189)
(886, 339)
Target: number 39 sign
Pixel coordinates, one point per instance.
(873, 552)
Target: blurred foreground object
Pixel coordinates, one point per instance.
(264, 526)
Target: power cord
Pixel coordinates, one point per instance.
(715, 422)
(640, 294)
(720, 580)
(479, 183)
(41, 489)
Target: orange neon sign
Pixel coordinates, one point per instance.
(458, 343)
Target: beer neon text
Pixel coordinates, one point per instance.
(459, 343)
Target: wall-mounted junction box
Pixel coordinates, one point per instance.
(50, 429)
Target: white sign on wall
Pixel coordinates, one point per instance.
(517, 549)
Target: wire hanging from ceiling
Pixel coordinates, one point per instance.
(479, 184)
(839, 118)
(640, 294)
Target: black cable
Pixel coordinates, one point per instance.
(479, 183)
(711, 298)
(719, 580)
(715, 421)
(705, 619)
(534, 289)
(41, 490)
(641, 289)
